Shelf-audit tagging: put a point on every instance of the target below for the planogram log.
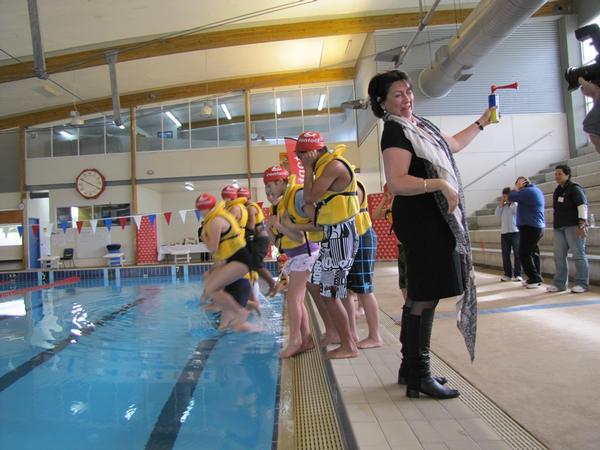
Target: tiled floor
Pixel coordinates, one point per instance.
(535, 352)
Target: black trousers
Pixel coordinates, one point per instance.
(529, 252)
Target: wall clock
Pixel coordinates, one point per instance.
(90, 183)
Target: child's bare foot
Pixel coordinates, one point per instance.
(245, 326)
(328, 339)
(360, 312)
(307, 344)
(341, 353)
(370, 343)
(291, 350)
(253, 305)
(212, 307)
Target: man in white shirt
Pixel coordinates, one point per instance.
(509, 237)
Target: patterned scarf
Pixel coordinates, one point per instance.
(430, 146)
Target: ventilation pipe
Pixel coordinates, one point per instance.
(488, 25)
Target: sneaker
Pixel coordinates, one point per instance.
(578, 289)
(504, 278)
(517, 278)
(554, 289)
(533, 285)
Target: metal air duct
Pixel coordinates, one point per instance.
(488, 25)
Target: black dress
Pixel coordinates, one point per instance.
(433, 265)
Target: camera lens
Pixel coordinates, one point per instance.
(591, 72)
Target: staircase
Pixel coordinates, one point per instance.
(485, 226)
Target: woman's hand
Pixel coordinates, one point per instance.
(588, 88)
(484, 120)
(450, 194)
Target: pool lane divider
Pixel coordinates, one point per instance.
(19, 372)
(171, 417)
(66, 281)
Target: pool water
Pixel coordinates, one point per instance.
(135, 366)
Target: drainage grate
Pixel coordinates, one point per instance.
(507, 428)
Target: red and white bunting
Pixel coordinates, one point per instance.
(168, 217)
(182, 214)
(79, 224)
(138, 221)
(94, 224)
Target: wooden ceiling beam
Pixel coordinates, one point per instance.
(210, 88)
(250, 35)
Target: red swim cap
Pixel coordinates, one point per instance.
(229, 192)
(206, 202)
(275, 173)
(243, 192)
(310, 140)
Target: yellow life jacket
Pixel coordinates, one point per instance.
(335, 207)
(363, 220)
(241, 202)
(260, 217)
(229, 242)
(288, 204)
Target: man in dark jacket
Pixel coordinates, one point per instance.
(531, 223)
(570, 221)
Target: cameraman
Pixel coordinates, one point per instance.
(591, 123)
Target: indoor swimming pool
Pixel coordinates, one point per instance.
(134, 365)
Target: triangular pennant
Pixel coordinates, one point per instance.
(138, 221)
(79, 224)
(108, 224)
(122, 222)
(35, 228)
(94, 224)
(5, 229)
(182, 214)
(198, 215)
(20, 230)
(152, 219)
(168, 217)
(63, 226)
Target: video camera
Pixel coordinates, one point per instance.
(589, 72)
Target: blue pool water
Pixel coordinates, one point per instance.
(138, 366)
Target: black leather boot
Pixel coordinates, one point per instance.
(419, 379)
(403, 370)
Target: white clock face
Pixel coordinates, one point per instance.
(90, 183)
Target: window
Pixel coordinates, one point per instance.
(149, 129)
(9, 234)
(232, 121)
(118, 139)
(289, 122)
(263, 109)
(91, 137)
(203, 124)
(176, 126)
(39, 143)
(316, 111)
(343, 121)
(65, 141)
(72, 214)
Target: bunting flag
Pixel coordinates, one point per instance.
(182, 214)
(122, 222)
(138, 220)
(108, 224)
(167, 217)
(294, 162)
(198, 215)
(63, 226)
(152, 219)
(20, 230)
(36, 230)
(79, 224)
(94, 224)
(6, 230)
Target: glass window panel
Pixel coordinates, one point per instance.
(64, 141)
(315, 119)
(71, 214)
(113, 212)
(289, 122)
(118, 139)
(232, 132)
(204, 123)
(9, 234)
(38, 143)
(91, 136)
(176, 136)
(262, 117)
(343, 121)
(149, 129)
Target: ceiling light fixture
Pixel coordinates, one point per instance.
(278, 105)
(321, 102)
(65, 134)
(76, 118)
(206, 110)
(225, 111)
(170, 115)
(189, 187)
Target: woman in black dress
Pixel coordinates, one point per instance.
(429, 219)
